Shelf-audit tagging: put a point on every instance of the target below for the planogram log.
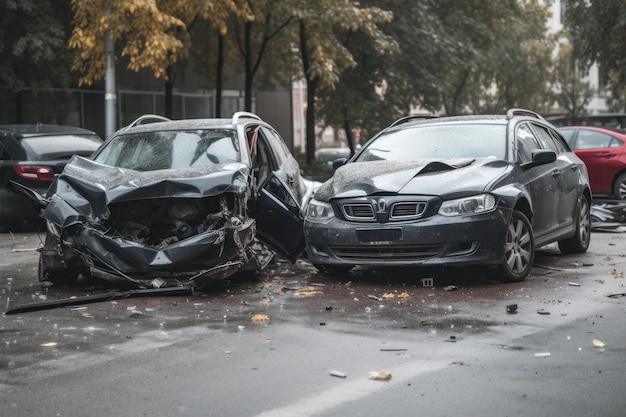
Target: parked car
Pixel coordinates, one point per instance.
(603, 150)
(32, 154)
(173, 203)
(453, 191)
(328, 155)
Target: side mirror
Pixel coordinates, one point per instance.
(339, 162)
(541, 157)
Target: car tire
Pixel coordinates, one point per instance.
(333, 269)
(519, 249)
(580, 241)
(619, 187)
(65, 277)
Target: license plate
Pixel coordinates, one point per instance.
(379, 235)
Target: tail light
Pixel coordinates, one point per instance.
(34, 172)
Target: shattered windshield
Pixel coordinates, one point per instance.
(438, 142)
(150, 151)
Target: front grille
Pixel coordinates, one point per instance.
(359, 212)
(387, 253)
(407, 210)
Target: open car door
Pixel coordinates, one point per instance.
(278, 219)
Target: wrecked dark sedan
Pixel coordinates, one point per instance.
(456, 191)
(171, 203)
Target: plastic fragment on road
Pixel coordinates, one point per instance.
(260, 317)
(543, 312)
(574, 284)
(511, 308)
(542, 355)
(338, 374)
(598, 343)
(308, 292)
(393, 349)
(379, 375)
(136, 313)
(49, 344)
(373, 297)
(450, 288)
(87, 315)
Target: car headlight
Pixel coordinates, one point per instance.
(54, 229)
(470, 205)
(319, 212)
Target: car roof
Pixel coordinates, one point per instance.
(239, 118)
(596, 128)
(39, 129)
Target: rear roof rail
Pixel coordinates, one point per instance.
(407, 119)
(522, 112)
(141, 119)
(241, 114)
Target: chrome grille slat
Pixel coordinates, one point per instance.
(388, 253)
(407, 210)
(358, 212)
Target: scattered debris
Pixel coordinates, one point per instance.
(623, 294)
(373, 297)
(49, 344)
(393, 349)
(380, 375)
(574, 284)
(388, 296)
(451, 339)
(597, 343)
(308, 292)
(542, 355)
(511, 308)
(260, 317)
(338, 374)
(543, 312)
(450, 288)
(136, 313)
(427, 282)
(404, 295)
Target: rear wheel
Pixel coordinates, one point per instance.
(619, 187)
(519, 249)
(333, 269)
(64, 277)
(580, 241)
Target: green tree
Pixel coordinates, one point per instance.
(33, 46)
(573, 94)
(322, 28)
(597, 31)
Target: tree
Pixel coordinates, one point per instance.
(151, 33)
(574, 94)
(33, 46)
(322, 26)
(597, 31)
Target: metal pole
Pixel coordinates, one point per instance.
(110, 98)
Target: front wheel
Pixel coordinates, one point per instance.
(519, 249)
(580, 241)
(64, 277)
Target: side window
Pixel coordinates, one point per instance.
(547, 141)
(592, 140)
(280, 150)
(560, 143)
(526, 143)
(569, 135)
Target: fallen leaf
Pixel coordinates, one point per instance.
(308, 292)
(380, 375)
(404, 295)
(88, 315)
(597, 343)
(388, 296)
(260, 317)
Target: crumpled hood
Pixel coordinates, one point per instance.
(85, 188)
(425, 177)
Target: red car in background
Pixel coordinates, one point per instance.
(603, 150)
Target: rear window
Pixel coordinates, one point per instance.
(439, 142)
(59, 147)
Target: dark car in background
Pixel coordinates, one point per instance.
(167, 203)
(603, 150)
(454, 191)
(31, 155)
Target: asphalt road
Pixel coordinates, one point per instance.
(299, 343)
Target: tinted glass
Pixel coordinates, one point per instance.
(59, 147)
(526, 143)
(438, 142)
(170, 149)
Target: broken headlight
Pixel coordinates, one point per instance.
(319, 212)
(54, 229)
